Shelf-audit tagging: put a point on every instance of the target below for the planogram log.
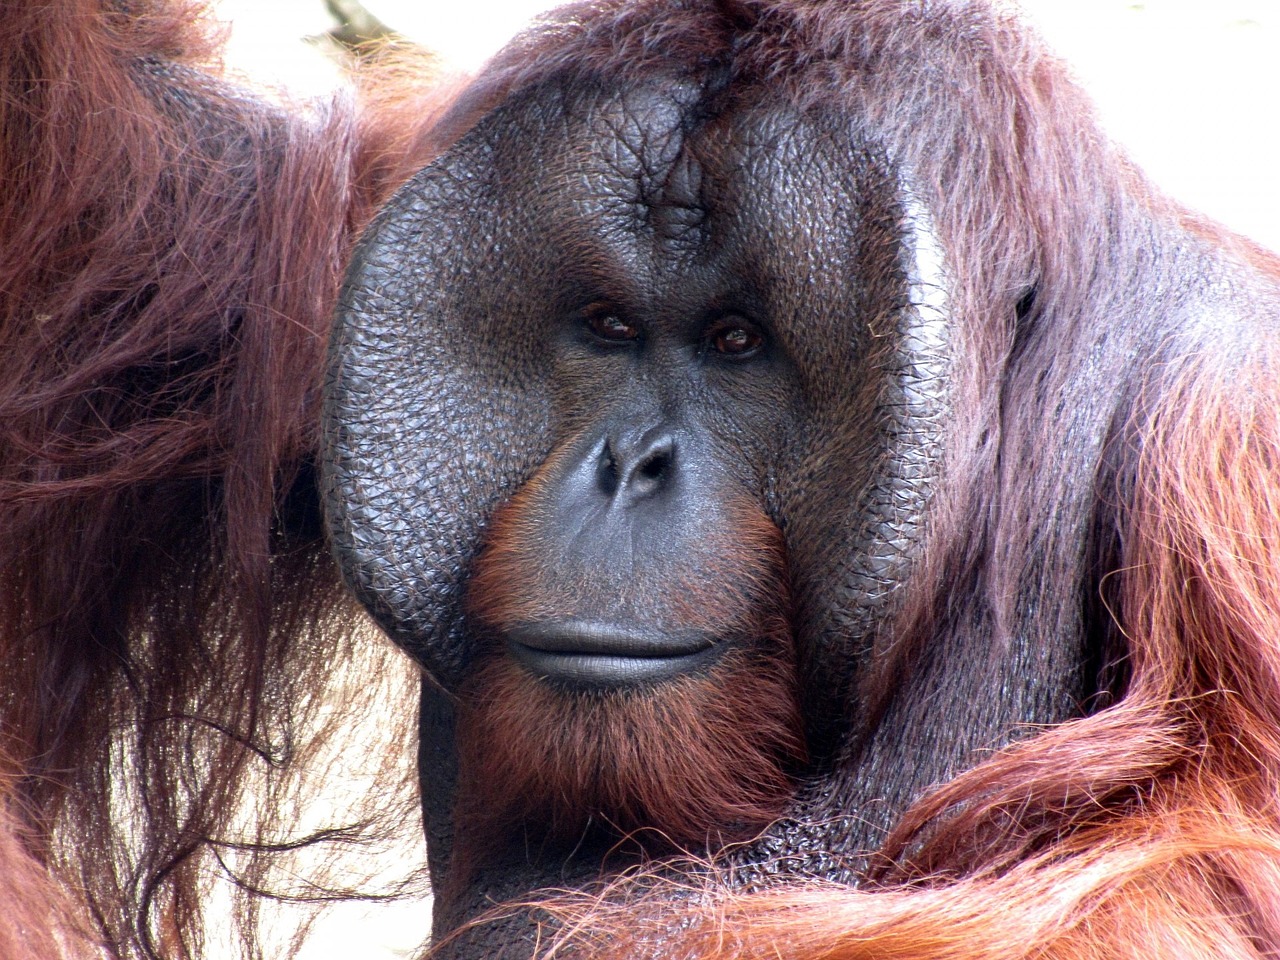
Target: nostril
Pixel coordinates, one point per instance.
(655, 466)
(607, 472)
(635, 467)
(652, 469)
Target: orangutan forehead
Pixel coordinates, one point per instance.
(664, 159)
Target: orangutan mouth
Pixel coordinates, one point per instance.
(597, 654)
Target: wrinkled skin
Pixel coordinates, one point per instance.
(784, 432)
(675, 246)
(633, 302)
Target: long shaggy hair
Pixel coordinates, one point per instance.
(1148, 829)
(170, 255)
(1149, 825)
(42, 919)
(171, 252)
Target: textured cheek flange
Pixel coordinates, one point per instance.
(407, 478)
(917, 398)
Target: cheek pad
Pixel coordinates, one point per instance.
(425, 426)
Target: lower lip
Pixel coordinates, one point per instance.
(599, 670)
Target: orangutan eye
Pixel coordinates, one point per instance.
(732, 340)
(611, 327)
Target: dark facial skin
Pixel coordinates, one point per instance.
(595, 445)
(669, 397)
(651, 324)
(601, 295)
(793, 443)
(655, 406)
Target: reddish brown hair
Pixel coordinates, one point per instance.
(1150, 824)
(702, 759)
(41, 920)
(1149, 829)
(170, 257)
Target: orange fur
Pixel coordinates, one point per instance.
(700, 759)
(1150, 829)
(170, 258)
(170, 251)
